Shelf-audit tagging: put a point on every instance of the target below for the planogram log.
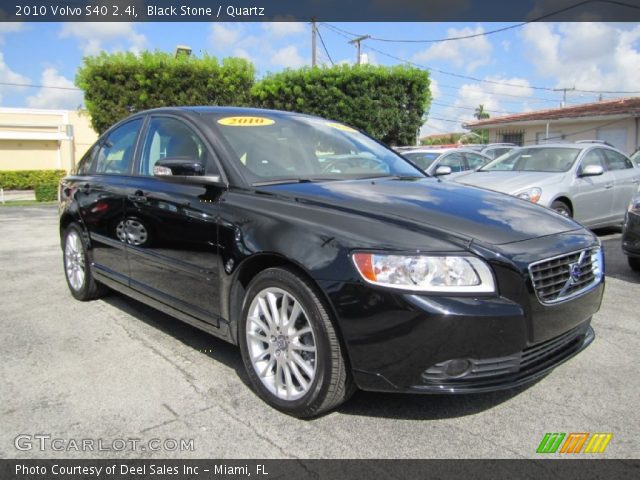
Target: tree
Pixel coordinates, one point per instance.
(115, 85)
(480, 112)
(389, 103)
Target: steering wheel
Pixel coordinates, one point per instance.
(354, 162)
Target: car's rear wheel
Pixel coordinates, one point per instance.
(562, 208)
(290, 347)
(634, 263)
(77, 268)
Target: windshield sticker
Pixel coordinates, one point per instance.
(246, 121)
(340, 126)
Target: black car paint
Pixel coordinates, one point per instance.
(631, 231)
(207, 240)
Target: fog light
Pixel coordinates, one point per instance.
(457, 368)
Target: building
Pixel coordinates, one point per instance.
(33, 139)
(615, 121)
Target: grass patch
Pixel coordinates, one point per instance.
(27, 203)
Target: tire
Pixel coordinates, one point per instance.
(562, 208)
(634, 263)
(298, 366)
(77, 267)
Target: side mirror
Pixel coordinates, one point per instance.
(591, 171)
(184, 170)
(443, 170)
(182, 166)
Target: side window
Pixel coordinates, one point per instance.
(592, 157)
(475, 160)
(453, 160)
(116, 152)
(616, 161)
(84, 165)
(170, 138)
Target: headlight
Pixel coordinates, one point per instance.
(634, 206)
(454, 274)
(531, 194)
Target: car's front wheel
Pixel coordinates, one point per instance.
(77, 268)
(290, 347)
(562, 208)
(634, 263)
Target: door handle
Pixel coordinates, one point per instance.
(138, 196)
(635, 180)
(608, 186)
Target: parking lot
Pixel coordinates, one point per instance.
(116, 369)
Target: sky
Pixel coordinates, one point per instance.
(511, 71)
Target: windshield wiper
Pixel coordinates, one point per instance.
(283, 181)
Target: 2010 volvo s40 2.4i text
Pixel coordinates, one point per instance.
(333, 262)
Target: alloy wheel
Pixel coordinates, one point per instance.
(74, 261)
(281, 343)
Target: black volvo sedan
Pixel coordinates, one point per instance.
(332, 261)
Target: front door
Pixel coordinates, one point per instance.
(593, 196)
(172, 227)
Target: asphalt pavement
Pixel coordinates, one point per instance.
(114, 369)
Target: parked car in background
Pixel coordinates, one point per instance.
(494, 150)
(329, 275)
(631, 234)
(590, 182)
(446, 161)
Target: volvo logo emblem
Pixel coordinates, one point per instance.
(574, 272)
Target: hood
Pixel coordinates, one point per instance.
(510, 182)
(434, 207)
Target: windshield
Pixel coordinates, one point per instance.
(422, 159)
(535, 160)
(297, 148)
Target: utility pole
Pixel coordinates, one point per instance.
(314, 34)
(564, 94)
(357, 42)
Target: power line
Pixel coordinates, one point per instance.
(461, 107)
(31, 85)
(468, 77)
(324, 46)
(497, 30)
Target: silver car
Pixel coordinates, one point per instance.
(446, 161)
(592, 183)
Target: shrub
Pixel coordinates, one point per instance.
(115, 85)
(46, 192)
(29, 179)
(388, 103)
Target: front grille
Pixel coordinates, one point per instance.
(560, 278)
(530, 359)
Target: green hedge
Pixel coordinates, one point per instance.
(388, 103)
(29, 179)
(115, 85)
(46, 192)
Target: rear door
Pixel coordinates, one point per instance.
(626, 179)
(100, 198)
(171, 227)
(593, 196)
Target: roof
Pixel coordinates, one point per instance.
(618, 106)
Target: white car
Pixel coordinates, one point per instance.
(446, 161)
(591, 182)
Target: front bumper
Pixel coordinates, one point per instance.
(402, 342)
